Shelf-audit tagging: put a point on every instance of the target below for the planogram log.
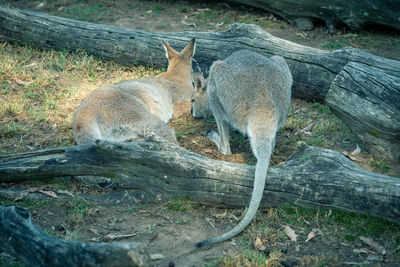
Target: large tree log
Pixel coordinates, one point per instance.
(20, 238)
(159, 170)
(353, 13)
(313, 69)
(357, 95)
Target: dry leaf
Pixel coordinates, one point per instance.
(375, 246)
(114, 237)
(258, 244)
(189, 23)
(221, 216)
(25, 193)
(21, 82)
(155, 257)
(203, 9)
(311, 235)
(94, 231)
(350, 156)
(90, 211)
(356, 151)
(290, 233)
(362, 251)
(66, 192)
(48, 193)
(30, 65)
(307, 222)
(301, 34)
(149, 11)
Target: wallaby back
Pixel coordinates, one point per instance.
(129, 110)
(251, 93)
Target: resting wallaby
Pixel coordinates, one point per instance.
(128, 110)
(251, 93)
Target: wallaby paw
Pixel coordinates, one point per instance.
(213, 136)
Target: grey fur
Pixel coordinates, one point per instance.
(251, 93)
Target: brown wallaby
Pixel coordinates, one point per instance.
(128, 110)
(251, 93)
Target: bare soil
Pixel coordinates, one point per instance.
(172, 228)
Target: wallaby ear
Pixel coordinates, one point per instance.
(169, 51)
(189, 49)
(199, 82)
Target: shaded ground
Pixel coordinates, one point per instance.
(38, 101)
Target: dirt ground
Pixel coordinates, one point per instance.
(170, 228)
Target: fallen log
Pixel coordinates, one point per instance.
(368, 101)
(352, 13)
(157, 170)
(313, 70)
(20, 238)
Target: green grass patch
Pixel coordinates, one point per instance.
(334, 44)
(180, 204)
(10, 129)
(84, 12)
(77, 209)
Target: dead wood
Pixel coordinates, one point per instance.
(20, 238)
(352, 13)
(155, 170)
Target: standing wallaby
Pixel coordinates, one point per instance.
(128, 110)
(251, 93)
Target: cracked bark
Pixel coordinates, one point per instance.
(352, 13)
(153, 169)
(20, 238)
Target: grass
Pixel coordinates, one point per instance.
(41, 89)
(336, 226)
(83, 11)
(334, 44)
(77, 210)
(180, 204)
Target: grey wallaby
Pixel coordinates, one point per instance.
(127, 111)
(251, 93)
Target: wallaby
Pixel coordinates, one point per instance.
(251, 93)
(126, 111)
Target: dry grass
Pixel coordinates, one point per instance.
(40, 90)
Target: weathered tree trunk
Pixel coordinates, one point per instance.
(353, 13)
(313, 69)
(20, 238)
(368, 101)
(159, 170)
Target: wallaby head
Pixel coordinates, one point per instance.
(251, 93)
(200, 106)
(179, 64)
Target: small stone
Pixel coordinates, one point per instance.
(304, 24)
(266, 251)
(171, 264)
(289, 263)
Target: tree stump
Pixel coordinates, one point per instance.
(20, 238)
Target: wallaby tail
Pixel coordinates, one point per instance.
(262, 148)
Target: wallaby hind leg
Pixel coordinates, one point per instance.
(221, 139)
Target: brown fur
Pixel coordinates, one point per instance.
(129, 110)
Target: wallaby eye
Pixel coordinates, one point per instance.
(192, 100)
